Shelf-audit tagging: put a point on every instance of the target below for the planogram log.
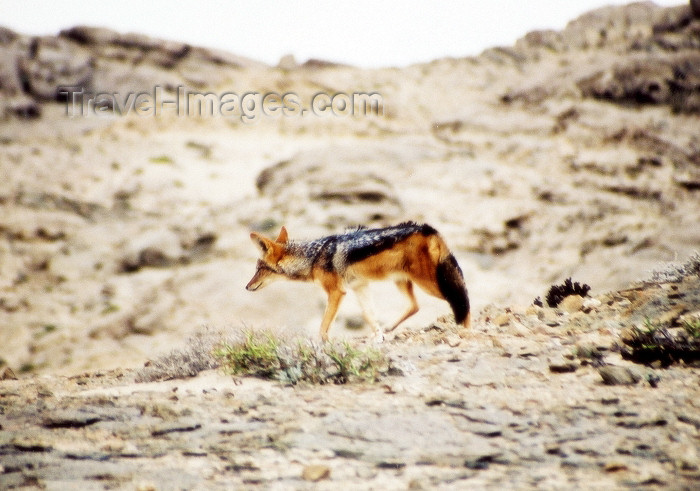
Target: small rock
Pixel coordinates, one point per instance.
(480, 462)
(534, 310)
(502, 320)
(287, 62)
(6, 373)
(563, 366)
(590, 304)
(436, 399)
(31, 441)
(687, 419)
(653, 379)
(572, 304)
(486, 430)
(519, 329)
(614, 375)
(315, 473)
(528, 351)
(453, 341)
(615, 466)
(684, 457)
(166, 428)
(70, 419)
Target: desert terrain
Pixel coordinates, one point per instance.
(124, 235)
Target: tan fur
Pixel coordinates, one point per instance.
(416, 257)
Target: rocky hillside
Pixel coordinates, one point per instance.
(577, 148)
(572, 153)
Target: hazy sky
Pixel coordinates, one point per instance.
(362, 33)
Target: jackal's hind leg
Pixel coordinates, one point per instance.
(368, 311)
(406, 286)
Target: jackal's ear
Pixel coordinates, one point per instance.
(265, 244)
(282, 237)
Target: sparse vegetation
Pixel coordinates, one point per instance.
(692, 328)
(674, 273)
(265, 355)
(257, 355)
(109, 309)
(262, 354)
(203, 149)
(27, 368)
(655, 344)
(181, 363)
(161, 159)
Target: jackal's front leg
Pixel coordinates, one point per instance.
(334, 299)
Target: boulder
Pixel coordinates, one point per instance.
(53, 66)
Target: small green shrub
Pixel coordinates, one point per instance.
(692, 328)
(352, 363)
(257, 355)
(261, 354)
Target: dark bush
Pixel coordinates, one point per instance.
(557, 293)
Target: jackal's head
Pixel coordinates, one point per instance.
(267, 268)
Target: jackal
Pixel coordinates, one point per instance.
(407, 253)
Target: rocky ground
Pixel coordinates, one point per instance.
(518, 402)
(571, 154)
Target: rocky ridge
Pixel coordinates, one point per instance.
(36, 70)
(519, 402)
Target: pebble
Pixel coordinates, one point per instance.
(315, 473)
(616, 375)
(572, 304)
(591, 304)
(6, 373)
(563, 366)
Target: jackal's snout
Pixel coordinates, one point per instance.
(262, 276)
(255, 282)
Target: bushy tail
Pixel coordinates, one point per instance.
(451, 284)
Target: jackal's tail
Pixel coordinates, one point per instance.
(452, 287)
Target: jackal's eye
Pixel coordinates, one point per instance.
(265, 266)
